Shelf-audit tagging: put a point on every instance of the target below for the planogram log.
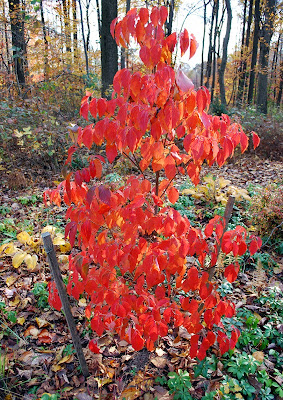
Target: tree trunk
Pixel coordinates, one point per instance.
(254, 51)
(109, 51)
(214, 50)
(87, 24)
(75, 28)
(210, 49)
(241, 66)
(267, 32)
(203, 41)
(66, 25)
(224, 54)
(84, 42)
(18, 41)
(123, 50)
(46, 65)
(170, 14)
(279, 97)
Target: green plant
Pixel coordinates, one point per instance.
(205, 367)
(232, 389)
(68, 350)
(41, 293)
(179, 384)
(264, 260)
(242, 364)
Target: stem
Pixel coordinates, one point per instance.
(156, 189)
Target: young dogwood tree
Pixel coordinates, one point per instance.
(133, 258)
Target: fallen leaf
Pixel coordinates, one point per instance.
(21, 320)
(24, 238)
(66, 359)
(32, 331)
(31, 262)
(18, 259)
(41, 322)
(11, 280)
(258, 355)
(159, 362)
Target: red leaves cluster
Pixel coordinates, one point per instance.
(131, 244)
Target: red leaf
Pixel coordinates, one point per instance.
(184, 42)
(53, 298)
(173, 195)
(93, 108)
(256, 140)
(84, 110)
(111, 152)
(93, 347)
(231, 272)
(136, 340)
(104, 194)
(184, 83)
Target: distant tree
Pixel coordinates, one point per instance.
(224, 54)
(241, 66)
(266, 35)
(17, 18)
(123, 50)
(254, 51)
(109, 51)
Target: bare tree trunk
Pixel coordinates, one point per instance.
(6, 40)
(279, 97)
(241, 66)
(18, 41)
(214, 51)
(171, 14)
(75, 28)
(254, 51)
(123, 50)
(203, 41)
(109, 51)
(274, 66)
(66, 25)
(87, 24)
(98, 18)
(210, 49)
(84, 42)
(267, 32)
(46, 65)
(247, 43)
(224, 55)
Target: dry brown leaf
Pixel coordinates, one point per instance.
(159, 362)
(258, 355)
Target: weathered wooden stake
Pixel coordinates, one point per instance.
(227, 215)
(49, 248)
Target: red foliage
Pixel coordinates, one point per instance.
(134, 247)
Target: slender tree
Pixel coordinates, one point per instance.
(210, 49)
(75, 28)
(279, 97)
(266, 35)
(254, 51)
(16, 12)
(224, 54)
(109, 51)
(123, 50)
(241, 66)
(46, 64)
(84, 41)
(216, 33)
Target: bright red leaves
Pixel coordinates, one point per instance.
(131, 243)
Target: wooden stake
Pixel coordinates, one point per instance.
(56, 274)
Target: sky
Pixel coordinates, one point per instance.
(194, 24)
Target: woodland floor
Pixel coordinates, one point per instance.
(37, 356)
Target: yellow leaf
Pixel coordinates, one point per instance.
(50, 229)
(63, 258)
(66, 359)
(223, 182)
(103, 381)
(238, 396)
(65, 248)
(59, 241)
(189, 191)
(8, 248)
(15, 302)
(31, 261)
(21, 320)
(24, 238)
(18, 259)
(41, 322)
(56, 367)
(209, 179)
(10, 280)
(258, 355)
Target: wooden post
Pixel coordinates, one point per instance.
(56, 274)
(227, 215)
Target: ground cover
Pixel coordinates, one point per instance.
(37, 356)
